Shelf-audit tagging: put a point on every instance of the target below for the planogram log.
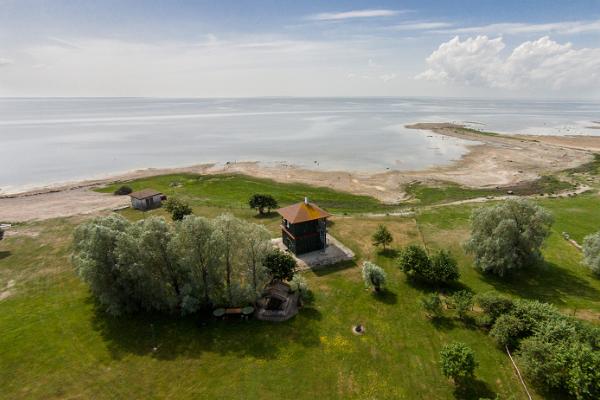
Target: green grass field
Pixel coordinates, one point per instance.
(54, 343)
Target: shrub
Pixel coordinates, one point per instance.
(507, 330)
(281, 265)
(1, 233)
(416, 264)
(508, 236)
(299, 284)
(178, 208)
(462, 302)
(382, 236)
(591, 252)
(444, 267)
(432, 305)
(123, 190)
(262, 201)
(373, 275)
(493, 304)
(457, 361)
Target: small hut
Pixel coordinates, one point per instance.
(146, 199)
(304, 227)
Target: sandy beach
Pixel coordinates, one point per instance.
(497, 160)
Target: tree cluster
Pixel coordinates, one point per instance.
(441, 268)
(508, 236)
(176, 268)
(558, 353)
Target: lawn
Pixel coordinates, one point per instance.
(54, 343)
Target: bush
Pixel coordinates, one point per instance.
(281, 265)
(444, 267)
(262, 201)
(382, 236)
(493, 304)
(123, 190)
(591, 252)
(1, 233)
(508, 236)
(373, 275)
(299, 284)
(457, 361)
(178, 208)
(507, 330)
(416, 264)
(462, 302)
(432, 305)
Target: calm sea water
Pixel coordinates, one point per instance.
(53, 140)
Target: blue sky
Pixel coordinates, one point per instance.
(300, 48)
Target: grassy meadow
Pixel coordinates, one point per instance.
(55, 343)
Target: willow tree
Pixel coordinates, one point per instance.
(508, 236)
(199, 252)
(255, 247)
(96, 262)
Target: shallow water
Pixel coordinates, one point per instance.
(52, 140)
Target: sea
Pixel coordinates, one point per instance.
(46, 141)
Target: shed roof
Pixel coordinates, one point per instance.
(302, 212)
(144, 194)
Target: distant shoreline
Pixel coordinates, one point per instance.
(496, 160)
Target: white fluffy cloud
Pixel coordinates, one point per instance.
(542, 63)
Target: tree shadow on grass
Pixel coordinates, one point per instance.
(4, 254)
(546, 282)
(427, 287)
(169, 337)
(388, 253)
(386, 296)
(267, 215)
(330, 269)
(443, 323)
(473, 389)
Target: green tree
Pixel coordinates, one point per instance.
(199, 251)
(382, 237)
(444, 268)
(416, 264)
(432, 305)
(462, 301)
(414, 261)
(178, 208)
(262, 201)
(373, 275)
(591, 252)
(280, 265)
(457, 361)
(494, 304)
(94, 259)
(508, 236)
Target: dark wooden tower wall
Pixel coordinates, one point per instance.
(304, 237)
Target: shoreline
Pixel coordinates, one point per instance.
(495, 160)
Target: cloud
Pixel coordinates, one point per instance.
(420, 26)
(539, 64)
(5, 61)
(515, 28)
(355, 14)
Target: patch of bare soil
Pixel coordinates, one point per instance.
(8, 290)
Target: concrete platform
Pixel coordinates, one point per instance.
(333, 253)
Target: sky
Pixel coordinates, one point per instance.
(529, 49)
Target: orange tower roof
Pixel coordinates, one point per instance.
(302, 212)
